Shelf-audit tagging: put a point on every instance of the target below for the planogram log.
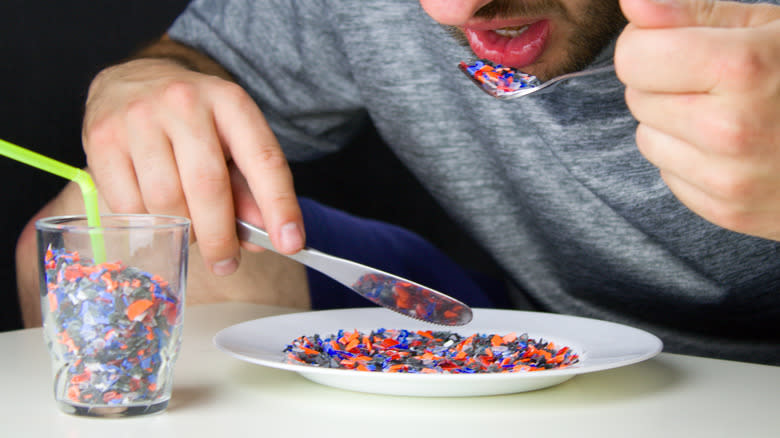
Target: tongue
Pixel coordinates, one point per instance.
(517, 52)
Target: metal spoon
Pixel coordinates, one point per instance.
(387, 290)
(495, 84)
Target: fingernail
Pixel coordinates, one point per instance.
(225, 267)
(292, 238)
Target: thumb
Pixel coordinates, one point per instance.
(704, 13)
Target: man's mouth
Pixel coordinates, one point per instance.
(514, 46)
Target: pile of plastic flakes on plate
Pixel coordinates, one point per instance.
(426, 351)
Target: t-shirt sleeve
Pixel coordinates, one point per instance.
(287, 55)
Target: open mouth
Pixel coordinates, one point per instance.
(513, 46)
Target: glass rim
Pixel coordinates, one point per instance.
(65, 222)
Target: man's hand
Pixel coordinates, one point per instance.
(703, 80)
(263, 277)
(159, 138)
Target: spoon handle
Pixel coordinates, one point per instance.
(576, 74)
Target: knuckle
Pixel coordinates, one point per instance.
(283, 198)
(210, 178)
(124, 205)
(747, 64)
(237, 96)
(730, 218)
(630, 95)
(213, 241)
(642, 135)
(232, 91)
(179, 93)
(139, 110)
(101, 131)
(625, 51)
(732, 187)
(269, 158)
(164, 196)
(731, 132)
(645, 144)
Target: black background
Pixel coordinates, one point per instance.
(50, 50)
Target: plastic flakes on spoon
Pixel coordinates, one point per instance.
(498, 80)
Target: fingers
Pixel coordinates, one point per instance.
(202, 170)
(245, 204)
(112, 168)
(154, 164)
(696, 46)
(711, 60)
(712, 123)
(246, 207)
(702, 79)
(258, 156)
(653, 60)
(744, 219)
(736, 194)
(159, 139)
(717, 175)
(695, 13)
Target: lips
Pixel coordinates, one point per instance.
(511, 46)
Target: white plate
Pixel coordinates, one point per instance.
(601, 345)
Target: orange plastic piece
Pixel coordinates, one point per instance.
(309, 350)
(352, 344)
(137, 308)
(52, 301)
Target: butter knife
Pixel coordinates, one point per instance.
(395, 293)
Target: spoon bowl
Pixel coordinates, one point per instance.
(508, 83)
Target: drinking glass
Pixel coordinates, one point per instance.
(112, 299)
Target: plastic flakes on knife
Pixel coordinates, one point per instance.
(412, 300)
(426, 351)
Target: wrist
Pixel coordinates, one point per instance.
(185, 56)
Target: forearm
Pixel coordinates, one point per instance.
(67, 202)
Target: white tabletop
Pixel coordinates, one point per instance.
(216, 395)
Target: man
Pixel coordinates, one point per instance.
(553, 186)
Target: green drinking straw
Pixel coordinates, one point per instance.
(82, 178)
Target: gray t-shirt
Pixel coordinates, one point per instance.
(552, 186)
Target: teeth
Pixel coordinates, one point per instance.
(511, 32)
